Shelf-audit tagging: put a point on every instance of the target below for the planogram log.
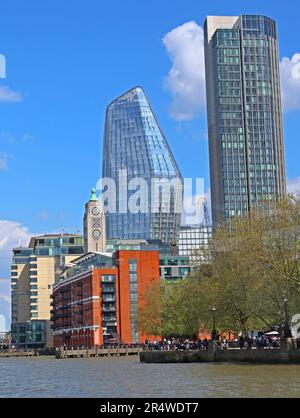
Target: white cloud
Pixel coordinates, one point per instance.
(3, 326)
(27, 137)
(9, 96)
(293, 186)
(44, 215)
(186, 79)
(193, 209)
(11, 234)
(290, 82)
(7, 137)
(5, 298)
(3, 164)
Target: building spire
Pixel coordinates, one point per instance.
(93, 197)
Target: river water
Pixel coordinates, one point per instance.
(126, 377)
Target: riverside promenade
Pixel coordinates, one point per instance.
(258, 356)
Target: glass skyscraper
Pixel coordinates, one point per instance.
(135, 147)
(245, 126)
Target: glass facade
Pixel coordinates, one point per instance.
(133, 281)
(57, 245)
(134, 143)
(245, 116)
(30, 334)
(109, 308)
(34, 269)
(86, 262)
(173, 268)
(194, 242)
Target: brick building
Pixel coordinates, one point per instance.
(97, 299)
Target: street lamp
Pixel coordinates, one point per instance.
(286, 329)
(214, 331)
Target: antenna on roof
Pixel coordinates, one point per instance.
(73, 230)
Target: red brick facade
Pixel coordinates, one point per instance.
(83, 304)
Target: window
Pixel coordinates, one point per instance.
(132, 265)
(133, 278)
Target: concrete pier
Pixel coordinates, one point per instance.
(272, 356)
(98, 352)
(18, 354)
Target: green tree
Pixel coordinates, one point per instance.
(254, 266)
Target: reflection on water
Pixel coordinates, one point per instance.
(127, 377)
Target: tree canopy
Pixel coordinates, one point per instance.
(254, 266)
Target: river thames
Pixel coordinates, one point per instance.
(127, 377)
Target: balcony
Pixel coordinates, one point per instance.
(108, 289)
(109, 323)
(108, 308)
(110, 318)
(107, 280)
(108, 298)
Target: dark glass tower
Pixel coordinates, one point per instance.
(135, 147)
(247, 160)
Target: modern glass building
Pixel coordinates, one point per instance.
(135, 148)
(34, 271)
(246, 147)
(194, 242)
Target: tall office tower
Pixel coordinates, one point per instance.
(134, 148)
(247, 162)
(34, 271)
(94, 225)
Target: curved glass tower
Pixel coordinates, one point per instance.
(137, 157)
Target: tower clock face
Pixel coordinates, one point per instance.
(96, 234)
(95, 211)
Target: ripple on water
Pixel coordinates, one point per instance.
(127, 377)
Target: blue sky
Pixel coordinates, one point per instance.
(66, 61)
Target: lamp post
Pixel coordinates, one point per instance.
(214, 331)
(286, 329)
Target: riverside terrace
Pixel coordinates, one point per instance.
(287, 351)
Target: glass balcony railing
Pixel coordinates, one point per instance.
(108, 289)
(109, 318)
(108, 298)
(109, 308)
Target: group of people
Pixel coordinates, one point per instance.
(260, 342)
(173, 344)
